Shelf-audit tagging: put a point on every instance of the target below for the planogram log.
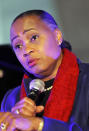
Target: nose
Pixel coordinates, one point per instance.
(27, 51)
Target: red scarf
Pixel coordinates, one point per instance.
(60, 102)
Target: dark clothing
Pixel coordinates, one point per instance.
(79, 119)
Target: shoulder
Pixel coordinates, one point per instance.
(10, 98)
(83, 79)
(82, 94)
(84, 66)
(80, 110)
(83, 69)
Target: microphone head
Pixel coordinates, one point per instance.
(37, 84)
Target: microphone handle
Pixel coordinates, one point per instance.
(33, 94)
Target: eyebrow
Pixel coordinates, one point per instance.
(23, 33)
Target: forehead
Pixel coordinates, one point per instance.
(27, 22)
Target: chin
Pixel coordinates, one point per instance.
(34, 71)
(37, 71)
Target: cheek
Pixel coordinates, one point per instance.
(49, 51)
(45, 61)
(50, 47)
(45, 46)
(20, 57)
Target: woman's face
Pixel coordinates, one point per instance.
(35, 45)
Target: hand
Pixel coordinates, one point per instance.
(27, 107)
(19, 122)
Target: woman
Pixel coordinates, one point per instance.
(63, 105)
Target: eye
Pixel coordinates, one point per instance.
(34, 37)
(18, 46)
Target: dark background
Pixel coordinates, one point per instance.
(11, 68)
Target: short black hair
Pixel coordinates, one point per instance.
(43, 15)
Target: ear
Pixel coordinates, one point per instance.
(58, 36)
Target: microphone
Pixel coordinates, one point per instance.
(36, 87)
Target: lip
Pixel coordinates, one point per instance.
(32, 62)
